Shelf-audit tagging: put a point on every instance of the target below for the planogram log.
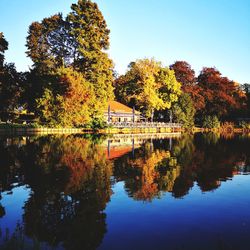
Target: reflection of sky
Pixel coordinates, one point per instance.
(220, 218)
(13, 205)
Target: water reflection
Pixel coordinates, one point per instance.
(70, 180)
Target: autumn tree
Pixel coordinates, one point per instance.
(79, 41)
(68, 102)
(186, 76)
(221, 95)
(148, 86)
(184, 73)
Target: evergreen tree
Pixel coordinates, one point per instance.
(184, 111)
(89, 31)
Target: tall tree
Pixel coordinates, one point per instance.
(49, 44)
(89, 30)
(79, 41)
(148, 86)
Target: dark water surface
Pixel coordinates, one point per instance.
(90, 192)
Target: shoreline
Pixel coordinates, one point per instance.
(113, 131)
(46, 131)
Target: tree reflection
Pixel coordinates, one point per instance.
(150, 172)
(70, 182)
(213, 159)
(205, 159)
(71, 177)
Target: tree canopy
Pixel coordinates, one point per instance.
(72, 78)
(184, 73)
(79, 41)
(148, 86)
(221, 95)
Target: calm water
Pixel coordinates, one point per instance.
(89, 192)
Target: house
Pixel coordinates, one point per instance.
(118, 112)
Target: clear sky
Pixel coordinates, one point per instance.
(201, 32)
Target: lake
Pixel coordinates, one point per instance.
(124, 192)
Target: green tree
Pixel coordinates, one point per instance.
(148, 86)
(184, 111)
(89, 31)
(80, 40)
(49, 44)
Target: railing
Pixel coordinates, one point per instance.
(144, 125)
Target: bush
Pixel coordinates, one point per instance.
(98, 123)
(211, 122)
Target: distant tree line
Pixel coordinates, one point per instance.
(72, 79)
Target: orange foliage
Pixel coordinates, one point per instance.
(149, 174)
(221, 95)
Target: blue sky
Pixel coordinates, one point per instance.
(202, 32)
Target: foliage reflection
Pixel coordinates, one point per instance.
(71, 179)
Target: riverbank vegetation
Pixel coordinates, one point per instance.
(72, 79)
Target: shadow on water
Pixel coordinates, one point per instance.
(69, 181)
